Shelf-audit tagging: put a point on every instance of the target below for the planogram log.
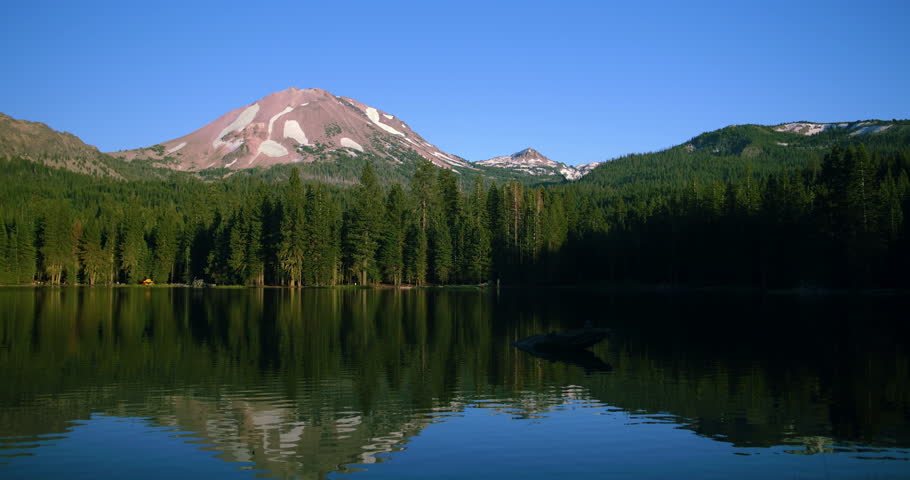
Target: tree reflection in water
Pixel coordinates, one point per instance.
(300, 383)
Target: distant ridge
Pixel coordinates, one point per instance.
(532, 162)
(40, 143)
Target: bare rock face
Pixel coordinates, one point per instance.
(585, 168)
(291, 126)
(532, 162)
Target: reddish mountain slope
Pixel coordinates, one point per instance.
(290, 126)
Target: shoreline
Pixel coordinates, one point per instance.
(621, 289)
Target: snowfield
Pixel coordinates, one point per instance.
(292, 130)
(373, 115)
(347, 142)
(272, 120)
(271, 148)
(245, 118)
(178, 147)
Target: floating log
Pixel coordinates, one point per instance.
(567, 341)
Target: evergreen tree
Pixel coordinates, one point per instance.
(218, 260)
(6, 258)
(319, 234)
(165, 250)
(531, 231)
(391, 250)
(861, 190)
(498, 232)
(451, 217)
(56, 243)
(892, 210)
(421, 188)
(272, 218)
(555, 224)
(73, 267)
(292, 253)
(22, 238)
(132, 249)
(476, 235)
(415, 254)
(245, 261)
(364, 227)
(514, 209)
(441, 246)
(92, 255)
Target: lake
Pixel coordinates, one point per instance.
(369, 384)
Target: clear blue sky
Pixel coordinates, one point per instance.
(579, 81)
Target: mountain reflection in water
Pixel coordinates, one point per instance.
(316, 383)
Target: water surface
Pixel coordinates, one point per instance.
(363, 384)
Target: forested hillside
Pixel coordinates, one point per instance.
(838, 223)
(740, 151)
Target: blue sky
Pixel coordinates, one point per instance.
(579, 81)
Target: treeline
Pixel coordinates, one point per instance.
(840, 223)
(74, 230)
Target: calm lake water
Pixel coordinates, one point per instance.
(368, 384)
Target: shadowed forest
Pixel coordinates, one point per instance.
(836, 223)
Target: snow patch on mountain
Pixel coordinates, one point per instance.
(276, 117)
(347, 142)
(293, 130)
(245, 118)
(445, 158)
(373, 115)
(271, 148)
(178, 147)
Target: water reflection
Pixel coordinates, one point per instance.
(301, 384)
(582, 358)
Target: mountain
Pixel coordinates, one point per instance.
(532, 162)
(40, 143)
(296, 126)
(736, 151)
